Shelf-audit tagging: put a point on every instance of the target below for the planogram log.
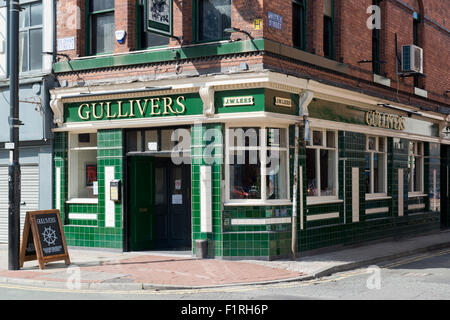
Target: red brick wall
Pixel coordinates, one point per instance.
(353, 40)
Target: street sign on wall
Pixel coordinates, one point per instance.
(159, 16)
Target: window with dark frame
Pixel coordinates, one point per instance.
(30, 37)
(376, 165)
(376, 46)
(147, 39)
(328, 30)
(101, 26)
(213, 17)
(415, 166)
(299, 24)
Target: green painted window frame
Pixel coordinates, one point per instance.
(196, 24)
(372, 153)
(89, 35)
(140, 28)
(331, 40)
(302, 23)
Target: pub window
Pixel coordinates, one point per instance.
(213, 17)
(376, 165)
(101, 26)
(147, 39)
(328, 28)
(299, 24)
(415, 167)
(83, 166)
(321, 164)
(30, 37)
(257, 164)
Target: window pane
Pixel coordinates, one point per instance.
(151, 39)
(214, 17)
(36, 14)
(24, 17)
(311, 180)
(298, 32)
(379, 173)
(276, 182)
(367, 173)
(327, 173)
(318, 138)
(160, 187)
(411, 169)
(23, 51)
(381, 144)
(133, 141)
(151, 137)
(98, 5)
(103, 33)
(418, 174)
(36, 49)
(331, 139)
(276, 137)
(372, 145)
(245, 175)
(166, 140)
(327, 36)
(240, 137)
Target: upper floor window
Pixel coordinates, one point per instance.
(376, 165)
(101, 26)
(213, 17)
(147, 39)
(299, 24)
(321, 164)
(328, 28)
(415, 166)
(30, 37)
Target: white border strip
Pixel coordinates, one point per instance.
(324, 216)
(377, 210)
(259, 221)
(416, 206)
(82, 216)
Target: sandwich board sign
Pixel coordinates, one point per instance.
(43, 238)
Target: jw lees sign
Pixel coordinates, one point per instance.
(385, 120)
(137, 108)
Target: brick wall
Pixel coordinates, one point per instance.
(353, 40)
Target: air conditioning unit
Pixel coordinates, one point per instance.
(412, 59)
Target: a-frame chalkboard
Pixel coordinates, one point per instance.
(43, 238)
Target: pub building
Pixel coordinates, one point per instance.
(155, 165)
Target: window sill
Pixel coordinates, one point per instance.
(417, 195)
(377, 196)
(82, 201)
(258, 203)
(311, 201)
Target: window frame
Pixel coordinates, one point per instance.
(71, 170)
(262, 150)
(196, 24)
(331, 40)
(141, 30)
(27, 30)
(317, 148)
(89, 28)
(372, 194)
(303, 23)
(412, 190)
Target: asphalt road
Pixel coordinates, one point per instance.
(421, 277)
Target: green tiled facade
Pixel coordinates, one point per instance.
(89, 232)
(232, 237)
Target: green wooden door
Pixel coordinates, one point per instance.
(142, 203)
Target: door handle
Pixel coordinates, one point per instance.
(23, 203)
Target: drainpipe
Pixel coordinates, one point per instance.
(305, 99)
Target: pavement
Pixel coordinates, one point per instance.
(157, 270)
